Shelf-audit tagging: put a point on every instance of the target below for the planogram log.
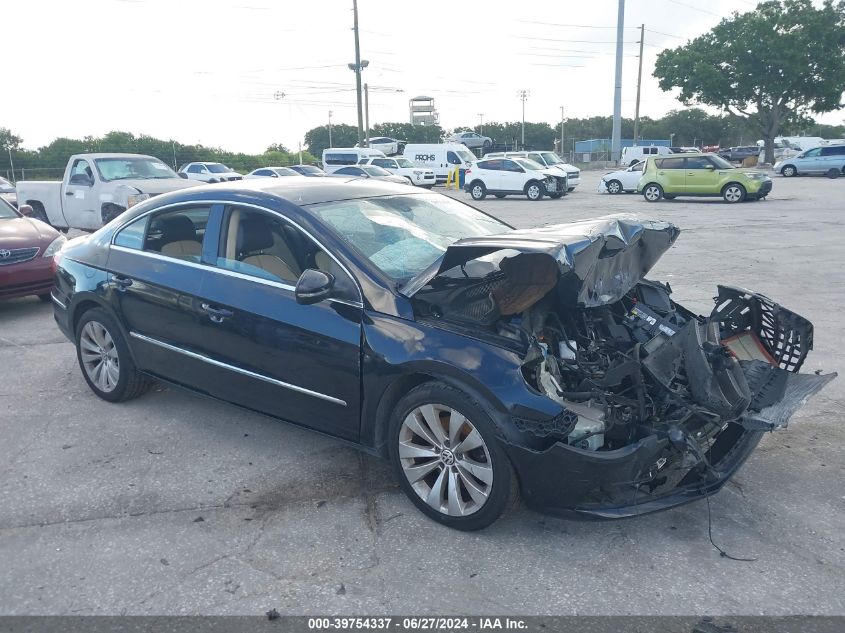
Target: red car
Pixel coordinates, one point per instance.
(27, 248)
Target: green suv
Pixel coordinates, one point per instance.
(701, 175)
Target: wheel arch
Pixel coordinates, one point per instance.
(88, 302)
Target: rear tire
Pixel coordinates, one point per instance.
(105, 360)
(477, 190)
(534, 190)
(788, 171)
(833, 172)
(733, 193)
(462, 489)
(614, 187)
(653, 192)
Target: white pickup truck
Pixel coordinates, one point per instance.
(97, 188)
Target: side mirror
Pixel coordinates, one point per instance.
(182, 174)
(313, 286)
(82, 180)
(710, 167)
(25, 209)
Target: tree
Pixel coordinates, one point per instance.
(317, 139)
(9, 141)
(277, 147)
(774, 65)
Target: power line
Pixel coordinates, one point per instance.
(689, 6)
(572, 26)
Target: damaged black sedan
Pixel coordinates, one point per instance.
(479, 359)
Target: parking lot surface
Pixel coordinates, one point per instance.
(173, 504)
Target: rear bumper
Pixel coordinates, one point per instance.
(567, 481)
(34, 277)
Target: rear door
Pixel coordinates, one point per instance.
(833, 157)
(298, 362)
(671, 174)
(156, 280)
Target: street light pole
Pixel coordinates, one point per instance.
(561, 129)
(523, 95)
(357, 69)
(480, 124)
(639, 82)
(367, 111)
(616, 132)
(330, 128)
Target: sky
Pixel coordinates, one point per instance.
(243, 74)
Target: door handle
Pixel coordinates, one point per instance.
(68, 193)
(122, 282)
(217, 315)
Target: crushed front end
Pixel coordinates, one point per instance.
(661, 406)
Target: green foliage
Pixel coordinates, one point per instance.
(317, 139)
(773, 66)
(8, 141)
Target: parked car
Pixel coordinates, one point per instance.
(701, 175)
(389, 146)
(308, 170)
(272, 172)
(335, 158)
(508, 176)
(418, 176)
(97, 188)
(547, 159)
(8, 192)
(370, 171)
(442, 158)
(740, 153)
(827, 159)
(27, 247)
(470, 139)
(622, 180)
(479, 360)
(638, 153)
(209, 172)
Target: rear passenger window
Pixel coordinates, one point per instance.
(494, 165)
(178, 233)
(671, 163)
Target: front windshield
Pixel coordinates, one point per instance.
(527, 163)
(551, 158)
(404, 162)
(7, 211)
(217, 168)
(720, 162)
(404, 235)
(467, 157)
(284, 171)
(6, 186)
(132, 168)
(374, 170)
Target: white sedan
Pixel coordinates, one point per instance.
(417, 176)
(271, 172)
(624, 180)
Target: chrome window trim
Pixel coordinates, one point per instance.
(239, 370)
(209, 267)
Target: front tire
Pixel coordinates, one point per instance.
(653, 192)
(444, 451)
(614, 187)
(556, 195)
(534, 191)
(788, 171)
(833, 172)
(477, 190)
(733, 193)
(105, 360)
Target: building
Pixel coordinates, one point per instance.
(422, 111)
(598, 149)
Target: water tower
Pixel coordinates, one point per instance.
(423, 112)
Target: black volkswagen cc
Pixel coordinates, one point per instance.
(480, 360)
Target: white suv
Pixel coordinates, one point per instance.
(208, 172)
(505, 176)
(547, 159)
(418, 176)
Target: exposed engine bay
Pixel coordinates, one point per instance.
(616, 351)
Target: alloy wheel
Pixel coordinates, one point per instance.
(788, 171)
(533, 192)
(445, 460)
(733, 194)
(99, 356)
(652, 193)
(614, 186)
(477, 192)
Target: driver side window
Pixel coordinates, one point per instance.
(80, 173)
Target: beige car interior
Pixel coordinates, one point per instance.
(180, 237)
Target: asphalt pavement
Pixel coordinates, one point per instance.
(174, 504)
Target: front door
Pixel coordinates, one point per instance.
(301, 363)
(701, 176)
(513, 176)
(79, 202)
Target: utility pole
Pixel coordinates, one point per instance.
(357, 69)
(480, 124)
(561, 129)
(523, 96)
(616, 135)
(12, 164)
(330, 128)
(639, 82)
(367, 111)
(300, 152)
